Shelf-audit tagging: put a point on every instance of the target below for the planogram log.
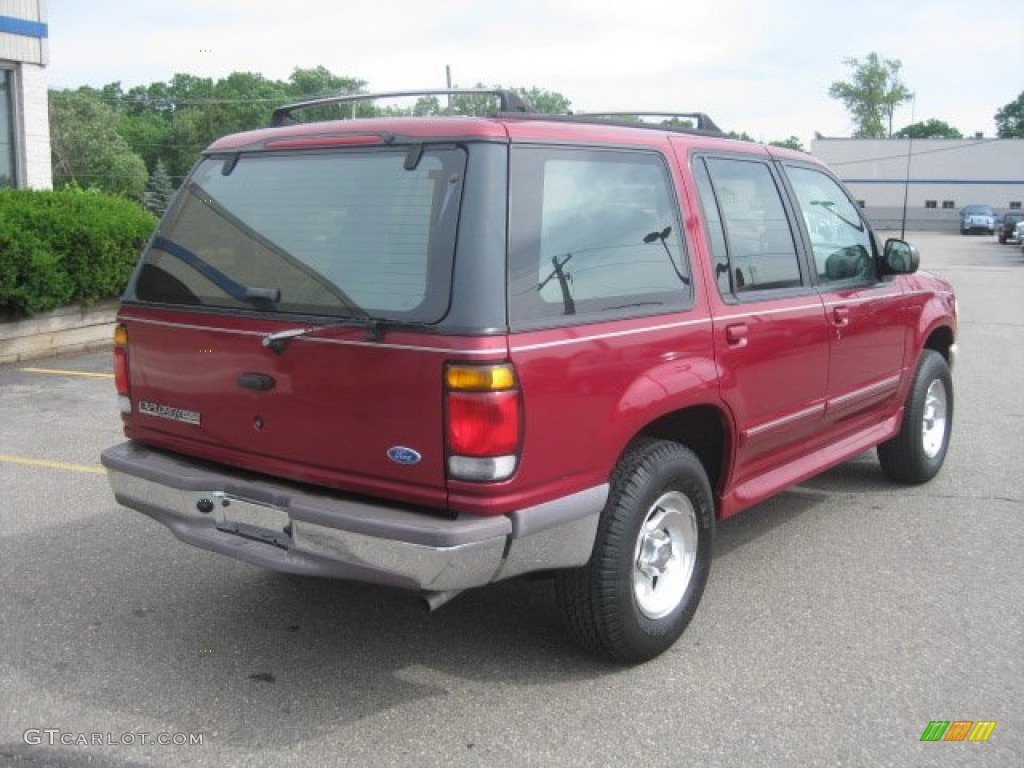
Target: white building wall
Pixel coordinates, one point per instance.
(951, 173)
(35, 120)
(24, 50)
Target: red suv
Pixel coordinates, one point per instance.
(437, 352)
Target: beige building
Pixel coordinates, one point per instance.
(936, 177)
(24, 117)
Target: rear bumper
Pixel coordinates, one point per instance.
(282, 527)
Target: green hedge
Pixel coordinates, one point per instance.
(69, 246)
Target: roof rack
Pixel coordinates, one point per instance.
(704, 123)
(508, 101)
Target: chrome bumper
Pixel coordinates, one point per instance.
(277, 526)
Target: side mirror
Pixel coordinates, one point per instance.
(899, 258)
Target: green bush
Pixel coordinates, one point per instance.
(68, 246)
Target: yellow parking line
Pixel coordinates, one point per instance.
(87, 374)
(92, 468)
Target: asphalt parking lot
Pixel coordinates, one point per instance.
(840, 618)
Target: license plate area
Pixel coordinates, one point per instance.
(252, 519)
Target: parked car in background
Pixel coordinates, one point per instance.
(1018, 233)
(977, 218)
(1006, 231)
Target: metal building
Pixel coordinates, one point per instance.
(24, 117)
(934, 177)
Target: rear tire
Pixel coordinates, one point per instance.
(651, 556)
(916, 454)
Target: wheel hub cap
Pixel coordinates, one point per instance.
(933, 423)
(665, 555)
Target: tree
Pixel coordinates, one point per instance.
(548, 102)
(319, 81)
(1010, 119)
(159, 190)
(741, 136)
(791, 143)
(873, 95)
(929, 129)
(170, 123)
(86, 148)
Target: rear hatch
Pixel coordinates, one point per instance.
(280, 319)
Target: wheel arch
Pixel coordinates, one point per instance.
(940, 340)
(704, 429)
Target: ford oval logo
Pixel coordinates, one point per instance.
(402, 455)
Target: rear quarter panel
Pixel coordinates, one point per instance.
(589, 390)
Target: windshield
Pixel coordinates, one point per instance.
(354, 233)
(979, 210)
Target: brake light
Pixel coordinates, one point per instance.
(315, 142)
(484, 421)
(121, 368)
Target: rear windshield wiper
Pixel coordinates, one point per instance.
(276, 342)
(264, 298)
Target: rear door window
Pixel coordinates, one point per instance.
(751, 237)
(352, 233)
(593, 232)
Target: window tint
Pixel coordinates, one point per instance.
(840, 240)
(593, 232)
(350, 233)
(761, 249)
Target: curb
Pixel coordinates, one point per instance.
(61, 332)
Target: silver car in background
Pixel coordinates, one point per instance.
(977, 218)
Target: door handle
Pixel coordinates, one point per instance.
(736, 335)
(841, 316)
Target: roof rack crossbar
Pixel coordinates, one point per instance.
(508, 101)
(704, 123)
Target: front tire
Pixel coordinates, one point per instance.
(651, 556)
(916, 454)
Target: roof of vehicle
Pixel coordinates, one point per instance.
(516, 121)
(403, 130)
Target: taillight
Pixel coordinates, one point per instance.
(124, 400)
(484, 413)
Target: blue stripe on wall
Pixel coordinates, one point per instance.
(933, 181)
(23, 27)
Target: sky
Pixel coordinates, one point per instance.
(758, 67)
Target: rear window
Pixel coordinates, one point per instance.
(351, 233)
